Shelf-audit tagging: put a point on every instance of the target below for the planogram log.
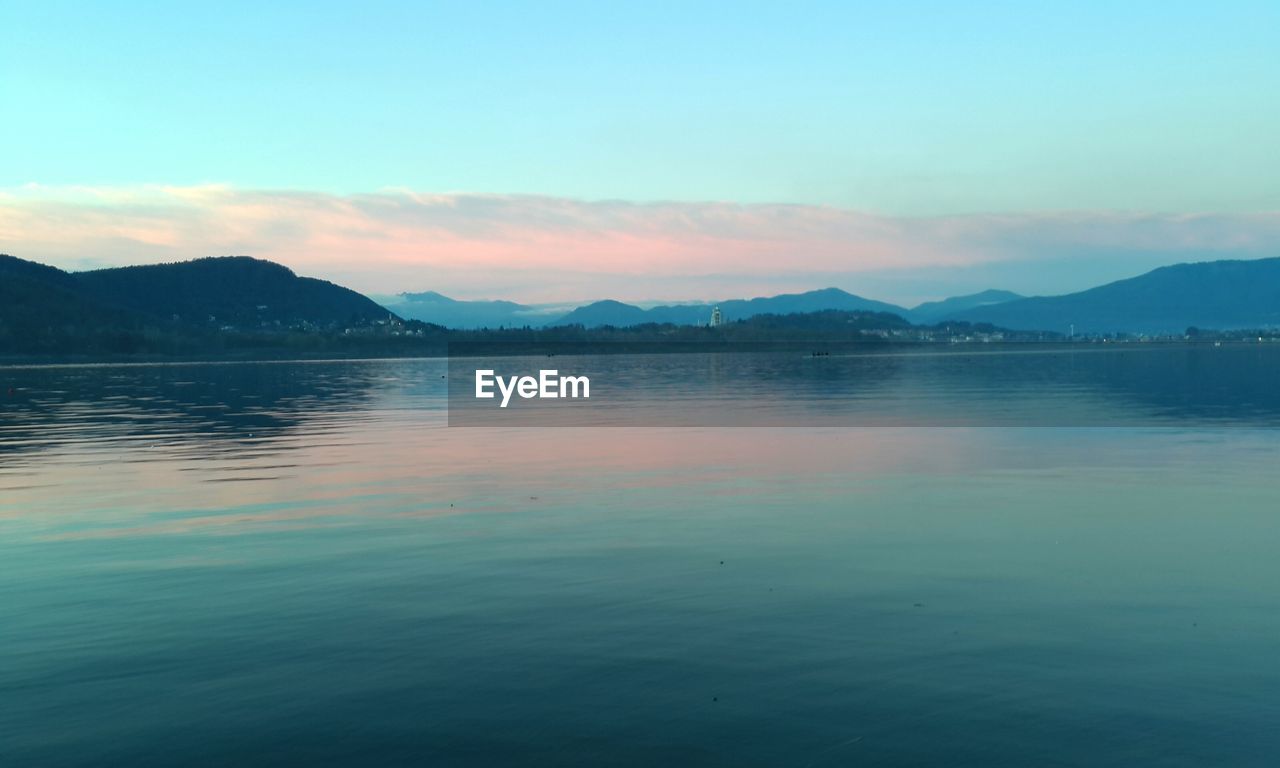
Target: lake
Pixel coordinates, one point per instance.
(303, 564)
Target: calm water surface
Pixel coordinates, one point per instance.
(302, 565)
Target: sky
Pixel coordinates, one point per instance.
(550, 151)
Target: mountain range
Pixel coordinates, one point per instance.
(240, 293)
(1221, 295)
(432, 307)
(618, 314)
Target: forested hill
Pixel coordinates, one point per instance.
(232, 290)
(167, 307)
(42, 309)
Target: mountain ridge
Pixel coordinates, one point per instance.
(235, 289)
(1225, 295)
(934, 311)
(435, 307)
(240, 292)
(44, 309)
(610, 312)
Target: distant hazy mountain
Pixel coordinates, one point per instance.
(931, 312)
(231, 289)
(812, 301)
(1215, 294)
(432, 307)
(608, 312)
(618, 314)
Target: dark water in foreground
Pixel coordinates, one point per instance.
(301, 565)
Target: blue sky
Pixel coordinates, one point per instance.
(895, 109)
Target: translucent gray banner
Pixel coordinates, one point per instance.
(799, 383)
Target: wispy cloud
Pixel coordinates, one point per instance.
(551, 249)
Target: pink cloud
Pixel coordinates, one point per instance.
(552, 249)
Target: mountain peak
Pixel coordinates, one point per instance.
(427, 297)
(238, 289)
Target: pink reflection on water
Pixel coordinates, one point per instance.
(401, 463)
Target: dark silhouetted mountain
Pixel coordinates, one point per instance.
(620, 315)
(432, 307)
(13, 268)
(1215, 294)
(164, 308)
(931, 312)
(33, 294)
(43, 310)
(236, 290)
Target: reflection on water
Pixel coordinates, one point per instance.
(300, 564)
(177, 406)
(985, 385)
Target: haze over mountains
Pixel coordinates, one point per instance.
(1222, 295)
(618, 314)
(937, 311)
(432, 307)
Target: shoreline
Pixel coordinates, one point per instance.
(816, 349)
